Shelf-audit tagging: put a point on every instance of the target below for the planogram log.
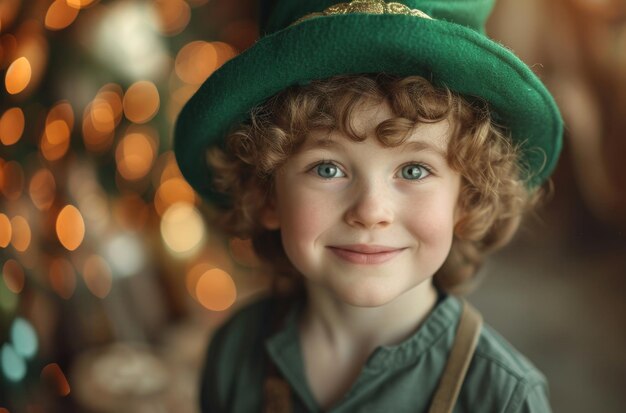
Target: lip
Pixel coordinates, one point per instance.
(365, 254)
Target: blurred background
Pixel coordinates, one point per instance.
(112, 282)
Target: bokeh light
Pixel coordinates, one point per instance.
(135, 155)
(55, 141)
(182, 228)
(13, 275)
(42, 189)
(95, 140)
(225, 52)
(24, 338)
(97, 275)
(216, 290)
(18, 76)
(172, 191)
(54, 376)
(80, 4)
(62, 277)
(174, 15)
(196, 61)
(126, 254)
(60, 15)
(12, 180)
(141, 102)
(13, 366)
(11, 126)
(70, 227)
(5, 231)
(193, 276)
(21, 235)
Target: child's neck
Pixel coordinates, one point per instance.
(350, 330)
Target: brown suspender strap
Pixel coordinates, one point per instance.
(459, 359)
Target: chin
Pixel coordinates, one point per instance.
(367, 297)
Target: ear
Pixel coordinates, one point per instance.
(270, 218)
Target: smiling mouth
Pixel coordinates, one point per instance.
(366, 254)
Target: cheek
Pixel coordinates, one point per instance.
(303, 218)
(431, 220)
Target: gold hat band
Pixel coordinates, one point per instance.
(366, 6)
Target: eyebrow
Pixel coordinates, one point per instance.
(414, 146)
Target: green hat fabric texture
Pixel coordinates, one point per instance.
(449, 48)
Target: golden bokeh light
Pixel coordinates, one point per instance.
(135, 155)
(141, 102)
(55, 378)
(11, 126)
(62, 110)
(102, 115)
(94, 140)
(13, 275)
(5, 231)
(21, 235)
(182, 228)
(80, 4)
(42, 189)
(243, 253)
(225, 52)
(98, 276)
(60, 15)
(193, 276)
(170, 169)
(62, 277)
(196, 61)
(172, 191)
(12, 180)
(55, 140)
(70, 227)
(18, 75)
(216, 290)
(174, 15)
(178, 98)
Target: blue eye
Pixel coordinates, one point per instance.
(414, 172)
(328, 170)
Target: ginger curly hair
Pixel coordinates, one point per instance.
(494, 192)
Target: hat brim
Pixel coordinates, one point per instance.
(445, 53)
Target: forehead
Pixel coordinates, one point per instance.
(364, 120)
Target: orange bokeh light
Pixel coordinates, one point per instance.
(60, 15)
(53, 374)
(21, 235)
(174, 15)
(225, 52)
(135, 155)
(11, 126)
(13, 276)
(42, 189)
(94, 140)
(5, 231)
(18, 75)
(80, 4)
(196, 61)
(97, 275)
(216, 290)
(172, 191)
(62, 277)
(56, 140)
(141, 102)
(70, 227)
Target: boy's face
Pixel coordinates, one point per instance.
(338, 204)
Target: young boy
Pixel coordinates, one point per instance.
(374, 153)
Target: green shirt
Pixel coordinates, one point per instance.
(399, 378)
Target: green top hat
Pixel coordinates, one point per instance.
(441, 40)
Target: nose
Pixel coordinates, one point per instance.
(371, 208)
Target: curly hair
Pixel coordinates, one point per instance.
(494, 192)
